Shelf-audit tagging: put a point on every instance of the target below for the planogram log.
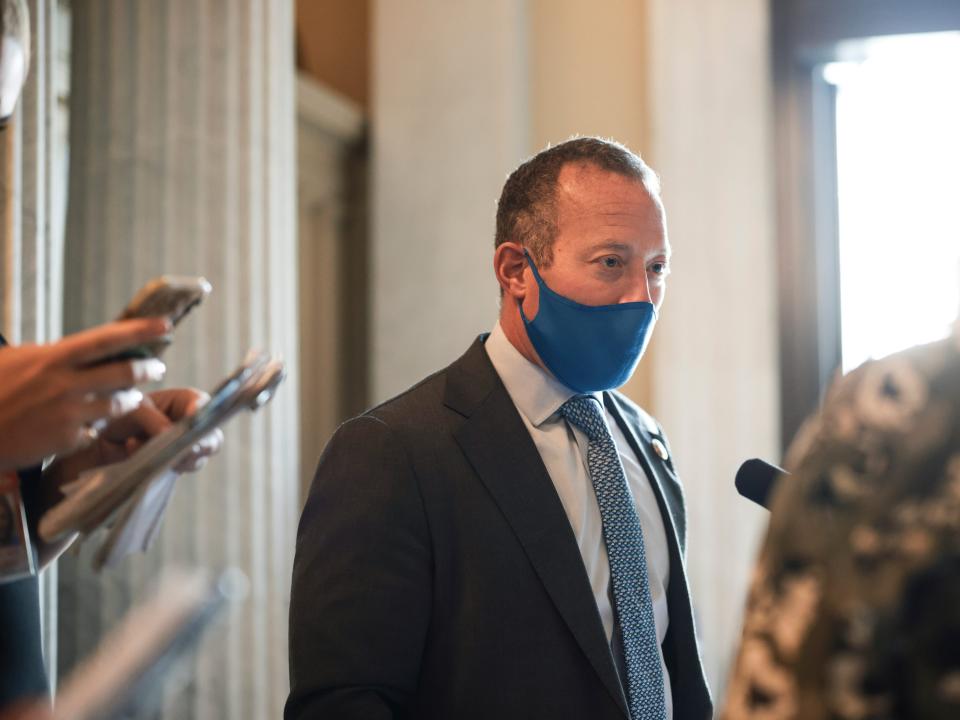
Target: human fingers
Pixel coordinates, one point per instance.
(177, 403)
(95, 409)
(207, 446)
(211, 443)
(119, 375)
(191, 463)
(103, 341)
(141, 424)
(81, 420)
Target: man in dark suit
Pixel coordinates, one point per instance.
(506, 538)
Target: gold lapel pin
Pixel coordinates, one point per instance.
(660, 449)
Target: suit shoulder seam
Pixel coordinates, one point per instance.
(413, 388)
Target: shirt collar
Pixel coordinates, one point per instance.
(536, 393)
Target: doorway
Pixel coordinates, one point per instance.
(867, 108)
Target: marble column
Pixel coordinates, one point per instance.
(182, 161)
(32, 198)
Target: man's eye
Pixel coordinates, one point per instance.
(611, 261)
(659, 268)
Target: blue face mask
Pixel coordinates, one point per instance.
(588, 348)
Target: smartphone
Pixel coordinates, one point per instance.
(171, 296)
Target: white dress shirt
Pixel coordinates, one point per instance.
(538, 396)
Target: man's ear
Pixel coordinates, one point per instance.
(509, 263)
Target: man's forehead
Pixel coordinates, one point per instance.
(588, 185)
(609, 198)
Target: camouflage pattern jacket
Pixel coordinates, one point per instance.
(854, 609)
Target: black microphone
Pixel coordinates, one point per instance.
(755, 480)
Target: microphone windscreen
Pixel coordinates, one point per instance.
(755, 480)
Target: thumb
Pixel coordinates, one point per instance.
(144, 422)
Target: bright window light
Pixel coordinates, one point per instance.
(898, 173)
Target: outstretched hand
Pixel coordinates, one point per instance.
(51, 395)
(124, 436)
(160, 409)
(121, 439)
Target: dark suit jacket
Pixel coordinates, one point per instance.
(437, 575)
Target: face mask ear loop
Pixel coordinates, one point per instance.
(536, 276)
(533, 266)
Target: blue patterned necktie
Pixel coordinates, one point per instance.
(628, 561)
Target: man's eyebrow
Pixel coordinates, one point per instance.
(610, 245)
(617, 246)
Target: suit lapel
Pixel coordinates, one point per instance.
(499, 448)
(662, 478)
(681, 652)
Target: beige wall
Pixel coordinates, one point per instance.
(449, 121)
(588, 70)
(714, 364)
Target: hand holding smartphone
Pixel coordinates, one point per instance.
(135, 491)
